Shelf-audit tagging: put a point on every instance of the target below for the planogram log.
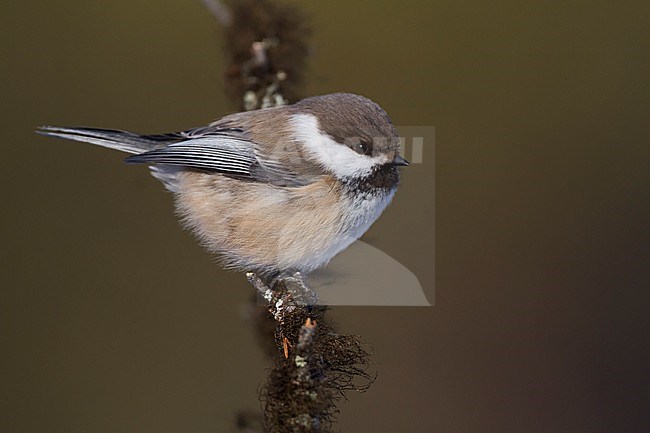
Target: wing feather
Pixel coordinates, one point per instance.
(217, 152)
(223, 147)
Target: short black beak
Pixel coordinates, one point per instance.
(400, 161)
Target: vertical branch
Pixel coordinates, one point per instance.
(266, 46)
(314, 365)
(218, 10)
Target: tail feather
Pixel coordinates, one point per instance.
(120, 140)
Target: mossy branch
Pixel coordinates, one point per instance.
(266, 43)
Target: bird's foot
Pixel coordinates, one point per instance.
(285, 291)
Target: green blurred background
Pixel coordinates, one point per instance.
(112, 319)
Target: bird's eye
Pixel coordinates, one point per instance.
(363, 148)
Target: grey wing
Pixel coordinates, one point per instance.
(220, 148)
(225, 151)
(215, 152)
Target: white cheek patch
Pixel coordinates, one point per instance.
(335, 157)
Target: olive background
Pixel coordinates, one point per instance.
(112, 319)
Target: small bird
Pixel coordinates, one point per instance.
(277, 190)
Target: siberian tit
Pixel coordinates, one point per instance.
(275, 190)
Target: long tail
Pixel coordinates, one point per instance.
(120, 140)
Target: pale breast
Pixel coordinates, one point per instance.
(263, 227)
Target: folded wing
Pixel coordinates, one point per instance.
(226, 150)
(216, 152)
